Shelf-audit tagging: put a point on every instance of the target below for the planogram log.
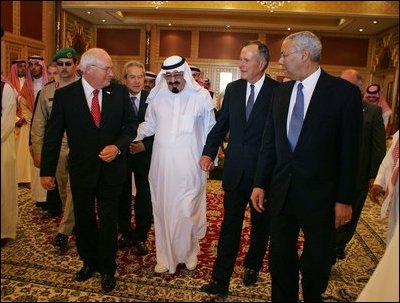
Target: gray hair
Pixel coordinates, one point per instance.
(132, 63)
(91, 57)
(307, 40)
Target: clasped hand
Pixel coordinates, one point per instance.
(109, 153)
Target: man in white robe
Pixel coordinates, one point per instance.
(387, 181)
(180, 115)
(9, 202)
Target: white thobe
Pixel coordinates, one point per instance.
(384, 179)
(24, 161)
(38, 192)
(383, 285)
(9, 201)
(180, 123)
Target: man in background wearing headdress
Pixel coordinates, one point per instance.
(149, 80)
(374, 95)
(37, 73)
(180, 115)
(196, 73)
(23, 85)
(66, 63)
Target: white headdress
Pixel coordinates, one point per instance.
(170, 65)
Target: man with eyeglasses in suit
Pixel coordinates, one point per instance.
(66, 62)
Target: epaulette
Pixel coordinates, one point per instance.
(52, 81)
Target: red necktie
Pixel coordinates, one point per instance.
(95, 109)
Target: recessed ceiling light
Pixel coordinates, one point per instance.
(228, 25)
(361, 30)
(104, 20)
(89, 13)
(289, 28)
(374, 22)
(169, 24)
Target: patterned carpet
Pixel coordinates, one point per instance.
(32, 271)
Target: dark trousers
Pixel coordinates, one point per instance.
(97, 239)
(235, 203)
(345, 232)
(140, 166)
(315, 261)
(53, 201)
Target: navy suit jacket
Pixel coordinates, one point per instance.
(322, 169)
(244, 137)
(71, 113)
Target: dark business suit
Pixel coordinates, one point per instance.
(92, 180)
(238, 173)
(139, 164)
(372, 152)
(305, 184)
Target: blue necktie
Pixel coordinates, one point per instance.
(250, 102)
(296, 122)
(133, 101)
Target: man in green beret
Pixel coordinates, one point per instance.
(66, 62)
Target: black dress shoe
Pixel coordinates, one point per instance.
(108, 282)
(42, 205)
(85, 273)
(4, 241)
(141, 248)
(340, 254)
(250, 276)
(216, 288)
(60, 240)
(123, 242)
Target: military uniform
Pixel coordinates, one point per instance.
(38, 130)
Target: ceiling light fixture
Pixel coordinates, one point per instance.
(157, 4)
(272, 5)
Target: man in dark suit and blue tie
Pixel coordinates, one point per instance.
(306, 170)
(243, 114)
(138, 160)
(100, 124)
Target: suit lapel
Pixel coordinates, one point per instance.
(82, 102)
(106, 105)
(283, 108)
(316, 106)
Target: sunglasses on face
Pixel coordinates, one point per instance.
(64, 63)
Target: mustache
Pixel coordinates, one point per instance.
(175, 82)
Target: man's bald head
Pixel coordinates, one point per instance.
(352, 76)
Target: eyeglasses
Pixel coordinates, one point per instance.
(68, 63)
(283, 55)
(174, 75)
(107, 69)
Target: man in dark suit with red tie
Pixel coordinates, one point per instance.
(138, 160)
(306, 168)
(243, 114)
(100, 124)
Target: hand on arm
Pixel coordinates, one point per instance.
(136, 147)
(258, 199)
(206, 163)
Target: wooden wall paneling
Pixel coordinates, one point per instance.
(31, 19)
(7, 15)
